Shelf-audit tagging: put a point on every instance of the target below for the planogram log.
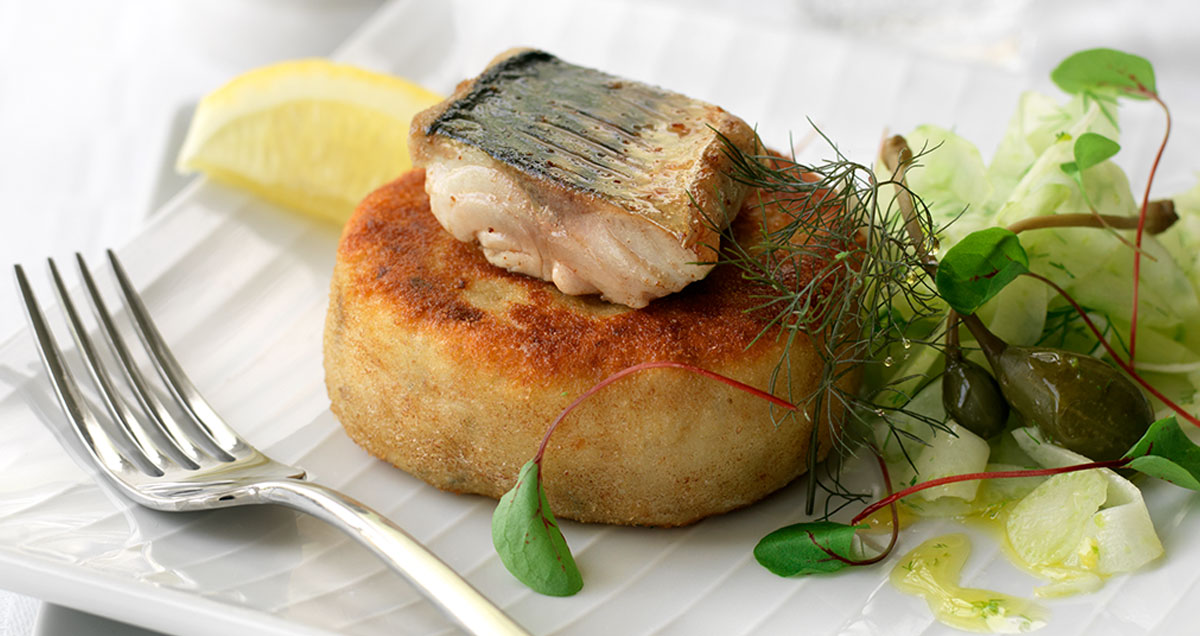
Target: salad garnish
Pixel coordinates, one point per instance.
(954, 340)
(1102, 75)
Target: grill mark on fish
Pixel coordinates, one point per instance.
(611, 151)
(625, 133)
(599, 168)
(572, 105)
(614, 153)
(653, 114)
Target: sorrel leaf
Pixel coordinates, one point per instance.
(979, 266)
(1167, 453)
(1090, 149)
(804, 548)
(528, 540)
(1106, 71)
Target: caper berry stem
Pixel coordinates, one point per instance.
(1160, 215)
(897, 157)
(953, 350)
(991, 344)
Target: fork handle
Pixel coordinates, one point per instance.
(436, 580)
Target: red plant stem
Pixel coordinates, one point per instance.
(1004, 474)
(1126, 366)
(1137, 254)
(887, 483)
(658, 364)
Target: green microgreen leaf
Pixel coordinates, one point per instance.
(1167, 453)
(528, 540)
(1105, 72)
(1093, 148)
(979, 266)
(1090, 149)
(804, 548)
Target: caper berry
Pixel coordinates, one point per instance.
(1077, 401)
(973, 398)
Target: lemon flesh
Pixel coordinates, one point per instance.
(312, 135)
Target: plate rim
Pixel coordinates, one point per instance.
(61, 584)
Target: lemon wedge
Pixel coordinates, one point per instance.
(312, 135)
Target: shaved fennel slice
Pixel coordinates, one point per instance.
(1047, 526)
(1118, 538)
(1018, 313)
(955, 453)
(952, 450)
(994, 498)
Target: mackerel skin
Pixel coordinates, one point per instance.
(573, 140)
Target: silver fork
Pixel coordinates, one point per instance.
(200, 462)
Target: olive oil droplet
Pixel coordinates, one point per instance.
(932, 570)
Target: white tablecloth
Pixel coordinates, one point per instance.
(93, 99)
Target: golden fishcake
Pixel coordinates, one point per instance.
(452, 369)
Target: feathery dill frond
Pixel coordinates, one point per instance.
(838, 258)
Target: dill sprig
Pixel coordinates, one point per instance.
(838, 258)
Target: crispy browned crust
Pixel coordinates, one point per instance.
(452, 369)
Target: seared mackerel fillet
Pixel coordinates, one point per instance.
(595, 183)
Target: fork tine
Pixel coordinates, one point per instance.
(166, 431)
(172, 373)
(143, 447)
(86, 426)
